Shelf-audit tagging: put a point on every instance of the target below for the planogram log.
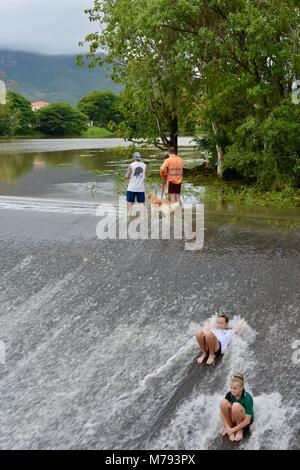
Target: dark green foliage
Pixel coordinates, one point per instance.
(268, 151)
(226, 66)
(61, 119)
(102, 107)
(16, 116)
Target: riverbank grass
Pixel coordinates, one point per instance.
(97, 132)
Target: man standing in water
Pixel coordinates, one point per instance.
(172, 169)
(136, 187)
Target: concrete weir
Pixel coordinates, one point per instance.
(99, 334)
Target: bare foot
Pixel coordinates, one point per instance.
(223, 432)
(239, 435)
(232, 437)
(201, 358)
(210, 360)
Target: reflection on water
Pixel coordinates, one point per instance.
(72, 174)
(78, 174)
(98, 176)
(14, 166)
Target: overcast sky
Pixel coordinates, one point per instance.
(45, 26)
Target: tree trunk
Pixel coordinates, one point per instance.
(174, 133)
(220, 152)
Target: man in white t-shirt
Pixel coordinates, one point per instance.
(136, 187)
(215, 341)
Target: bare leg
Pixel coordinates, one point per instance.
(238, 415)
(177, 198)
(225, 415)
(129, 208)
(200, 336)
(142, 209)
(213, 346)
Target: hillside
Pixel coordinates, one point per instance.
(52, 77)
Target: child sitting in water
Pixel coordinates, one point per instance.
(236, 409)
(215, 341)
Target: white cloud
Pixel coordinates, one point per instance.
(49, 27)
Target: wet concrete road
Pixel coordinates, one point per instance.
(99, 334)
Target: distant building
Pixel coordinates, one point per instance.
(2, 92)
(38, 105)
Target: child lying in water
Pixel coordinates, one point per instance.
(216, 340)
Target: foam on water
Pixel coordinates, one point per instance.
(272, 428)
(196, 424)
(137, 404)
(143, 393)
(84, 188)
(52, 205)
(173, 364)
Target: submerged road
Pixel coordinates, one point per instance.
(98, 335)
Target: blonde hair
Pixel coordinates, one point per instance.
(238, 378)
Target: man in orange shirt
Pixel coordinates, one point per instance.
(172, 169)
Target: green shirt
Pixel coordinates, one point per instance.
(245, 400)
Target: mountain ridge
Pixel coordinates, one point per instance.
(52, 78)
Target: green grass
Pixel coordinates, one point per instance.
(32, 135)
(218, 190)
(97, 132)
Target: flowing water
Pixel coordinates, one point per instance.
(97, 345)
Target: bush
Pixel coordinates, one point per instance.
(268, 152)
(61, 119)
(16, 117)
(101, 106)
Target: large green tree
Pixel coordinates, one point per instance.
(247, 55)
(61, 119)
(16, 116)
(227, 64)
(145, 56)
(102, 107)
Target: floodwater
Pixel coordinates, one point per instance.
(97, 343)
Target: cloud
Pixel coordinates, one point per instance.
(49, 27)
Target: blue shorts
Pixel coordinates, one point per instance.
(132, 196)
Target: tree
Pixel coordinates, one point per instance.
(227, 65)
(144, 55)
(61, 119)
(16, 116)
(4, 120)
(247, 53)
(102, 107)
